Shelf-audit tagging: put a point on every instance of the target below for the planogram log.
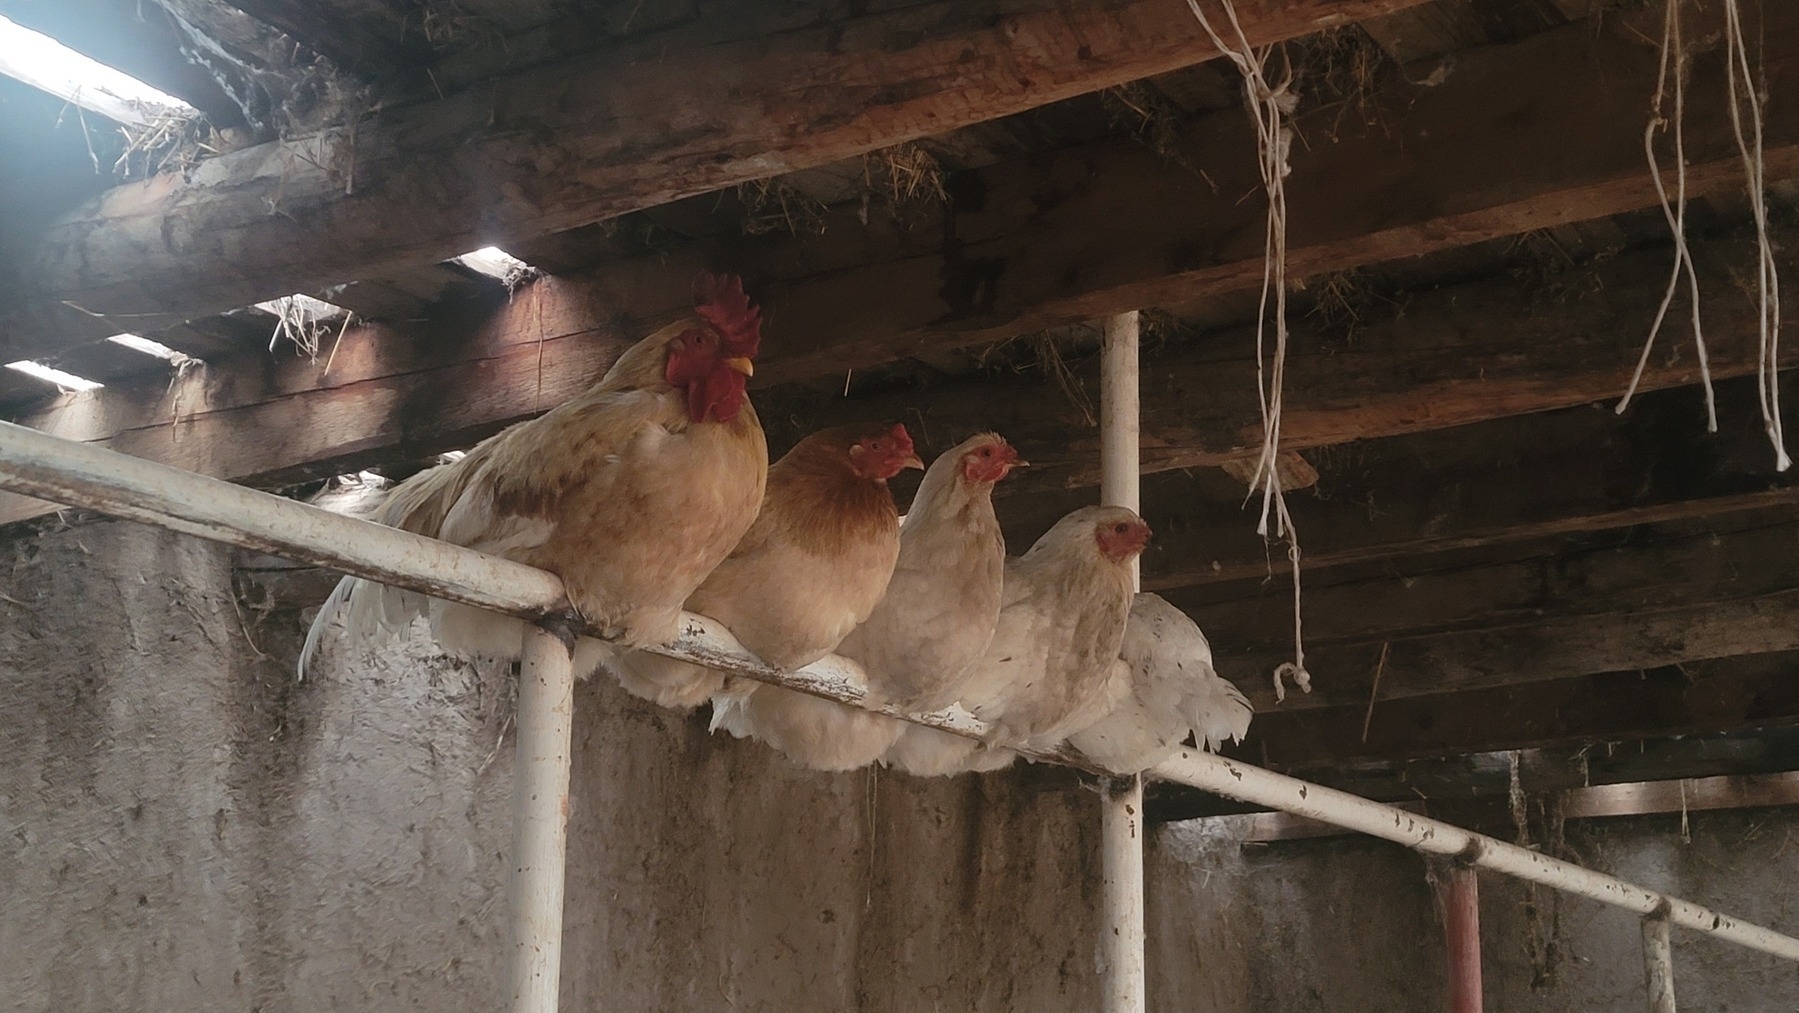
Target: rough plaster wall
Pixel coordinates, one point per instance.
(184, 827)
(1744, 863)
(1339, 925)
(1346, 925)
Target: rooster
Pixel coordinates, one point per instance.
(1055, 648)
(919, 644)
(812, 566)
(1169, 691)
(632, 492)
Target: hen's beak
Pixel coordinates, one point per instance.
(742, 365)
(912, 461)
(1018, 462)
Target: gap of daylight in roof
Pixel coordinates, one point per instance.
(48, 65)
(49, 374)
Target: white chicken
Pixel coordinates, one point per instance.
(1054, 649)
(1167, 691)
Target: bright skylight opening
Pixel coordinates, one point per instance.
(151, 348)
(317, 309)
(46, 64)
(67, 381)
(495, 263)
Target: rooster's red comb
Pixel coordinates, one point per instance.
(719, 300)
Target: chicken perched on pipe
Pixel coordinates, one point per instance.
(812, 566)
(1169, 691)
(668, 433)
(919, 645)
(1050, 664)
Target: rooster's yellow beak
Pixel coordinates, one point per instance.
(741, 365)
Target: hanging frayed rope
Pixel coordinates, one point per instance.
(1744, 92)
(1269, 106)
(1675, 210)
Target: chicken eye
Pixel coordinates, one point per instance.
(986, 451)
(1121, 527)
(876, 445)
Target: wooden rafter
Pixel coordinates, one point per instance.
(565, 145)
(370, 38)
(391, 393)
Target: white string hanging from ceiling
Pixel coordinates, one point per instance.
(1745, 96)
(1269, 106)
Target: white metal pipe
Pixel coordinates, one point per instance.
(1264, 787)
(41, 465)
(85, 475)
(1658, 964)
(1121, 799)
(545, 722)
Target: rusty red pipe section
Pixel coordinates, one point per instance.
(1459, 892)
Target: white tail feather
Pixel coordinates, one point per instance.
(333, 602)
(927, 752)
(662, 681)
(811, 731)
(728, 711)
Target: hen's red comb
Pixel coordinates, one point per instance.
(902, 440)
(719, 300)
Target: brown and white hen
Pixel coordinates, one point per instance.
(812, 566)
(632, 492)
(919, 644)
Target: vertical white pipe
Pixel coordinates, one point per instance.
(1658, 963)
(545, 722)
(1121, 800)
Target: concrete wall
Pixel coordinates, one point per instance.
(184, 827)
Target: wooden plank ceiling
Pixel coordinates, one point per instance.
(933, 201)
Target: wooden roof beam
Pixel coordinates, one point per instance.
(1458, 355)
(1531, 135)
(1449, 357)
(573, 143)
(1493, 600)
(1750, 690)
(372, 39)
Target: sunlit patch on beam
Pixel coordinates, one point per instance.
(155, 349)
(497, 264)
(49, 374)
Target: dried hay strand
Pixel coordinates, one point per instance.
(1054, 364)
(1344, 68)
(300, 322)
(446, 24)
(167, 143)
(771, 205)
(904, 173)
(1150, 117)
(906, 178)
(1269, 106)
